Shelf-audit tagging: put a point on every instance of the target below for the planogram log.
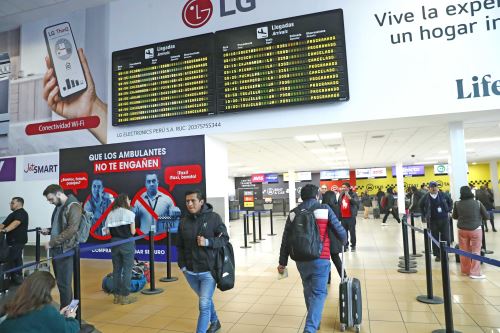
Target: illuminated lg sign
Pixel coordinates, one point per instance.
(196, 13)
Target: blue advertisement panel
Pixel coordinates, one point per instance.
(154, 174)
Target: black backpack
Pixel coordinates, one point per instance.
(224, 267)
(304, 241)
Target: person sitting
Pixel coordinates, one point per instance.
(470, 214)
(31, 309)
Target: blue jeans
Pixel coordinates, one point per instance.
(203, 284)
(122, 257)
(314, 275)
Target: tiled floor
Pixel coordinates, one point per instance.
(261, 303)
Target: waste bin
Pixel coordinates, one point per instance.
(234, 207)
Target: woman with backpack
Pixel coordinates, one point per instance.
(470, 214)
(120, 224)
(31, 309)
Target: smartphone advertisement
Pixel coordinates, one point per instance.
(65, 61)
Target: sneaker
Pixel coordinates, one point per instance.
(214, 327)
(438, 258)
(117, 299)
(128, 300)
(383, 223)
(494, 230)
(353, 249)
(477, 276)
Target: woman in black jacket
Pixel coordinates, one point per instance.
(330, 199)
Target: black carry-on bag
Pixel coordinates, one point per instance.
(350, 304)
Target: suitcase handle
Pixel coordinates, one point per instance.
(343, 278)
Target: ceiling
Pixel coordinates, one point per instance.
(13, 13)
(365, 144)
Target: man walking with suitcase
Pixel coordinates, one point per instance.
(314, 268)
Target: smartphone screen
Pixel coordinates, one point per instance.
(72, 306)
(64, 57)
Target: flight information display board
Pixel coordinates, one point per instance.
(164, 80)
(291, 61)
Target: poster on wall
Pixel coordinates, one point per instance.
(154, 174)
(58, 92)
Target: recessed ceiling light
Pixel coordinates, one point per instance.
(474, 163)
(381, 136)
(492, 139)
(330, 136)
(307, 138)
(443, 152)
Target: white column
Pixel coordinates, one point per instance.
(216, 176)
(458, 159)
(400, 188)
(494, 181)
(291, 188)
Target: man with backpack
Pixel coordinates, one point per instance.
(201, 234)
(305, 240)
(65, 222)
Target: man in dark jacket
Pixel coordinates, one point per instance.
(415, 197)
(436, 207)
(390, 206)
(314, 273)
(15, 227)
(201, 231)
(65, 220)
(488, 202)
(349, 206)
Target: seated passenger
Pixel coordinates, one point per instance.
(31, 309)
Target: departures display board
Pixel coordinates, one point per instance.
(164, 80)
(284, 62)
(291, 61)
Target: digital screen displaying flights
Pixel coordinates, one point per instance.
(164, 80)
(284, 62)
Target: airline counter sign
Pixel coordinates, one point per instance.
(41, 167)
(8, 169)
(441, 169)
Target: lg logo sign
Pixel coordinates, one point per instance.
(196, 13)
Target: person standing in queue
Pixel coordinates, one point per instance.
(66, 219)
(201, 231)
(15, 227)
(120, 224)
(349, 205)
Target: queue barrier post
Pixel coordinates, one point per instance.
(413, 241)
(245, 234)
(255, 241)
(152, 285)
(405, 266)
(260, 227)
(4, 281)
(271, 222)
(169, 277)
(37, 245)
(483, 245)
(429, 298)
(248, 223)
(445, 271)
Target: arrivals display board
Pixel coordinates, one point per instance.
(290, 61)
(164, 80)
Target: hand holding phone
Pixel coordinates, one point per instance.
(70, 310)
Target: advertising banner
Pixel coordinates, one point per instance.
(411, 170)
(8, 169)
(371, 173)
(441, 169)
(40, 167)
(154, 174)
(334, 174)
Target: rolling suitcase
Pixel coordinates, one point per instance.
(376, 212)
(350, 304)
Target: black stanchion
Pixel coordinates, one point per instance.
(272, 224)
(406, 267)
(260, 227)
(255, 241)
(413, 242)
(4, 281)
(448, 312)
(483, 246)
(169, 277)
(76, 282)
(429, 298)
(248, 223)
(152, 285)
(37, 245)
(245, 226)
